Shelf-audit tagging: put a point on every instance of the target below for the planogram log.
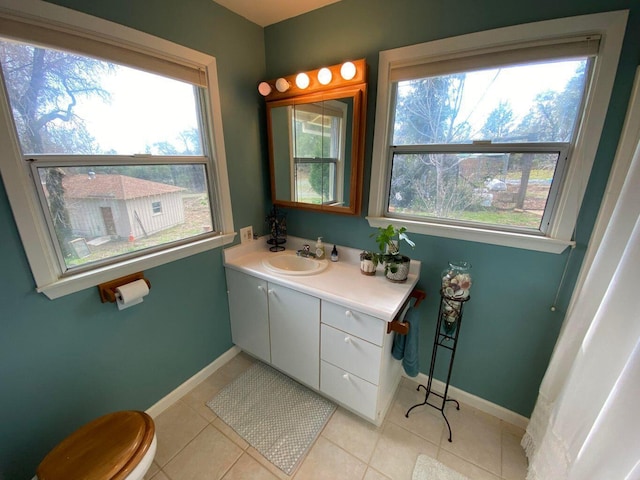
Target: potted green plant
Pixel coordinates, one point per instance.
(368, 262)
(396, 265)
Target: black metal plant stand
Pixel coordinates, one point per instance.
(277, 226)
(447, 333)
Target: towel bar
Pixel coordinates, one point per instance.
(402, 328)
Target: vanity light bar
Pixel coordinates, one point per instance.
(342, 74)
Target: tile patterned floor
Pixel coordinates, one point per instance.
(193, 444)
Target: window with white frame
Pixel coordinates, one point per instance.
(491, 136)
(107, 138)
(318, 146)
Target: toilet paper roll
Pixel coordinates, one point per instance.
(131, 294)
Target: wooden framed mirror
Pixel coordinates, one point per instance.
(316, 145)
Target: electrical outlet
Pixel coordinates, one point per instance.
(246, 234)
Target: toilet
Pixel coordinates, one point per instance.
(116, 446)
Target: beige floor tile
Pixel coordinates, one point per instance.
(397, 451)
(209, 388)
(352, 433)
(514, 460)
(160, 476)
(268, 465)
(199, 396)
(424, 421)
(327, 461)
(208, 457)
(231, 434)
(512, 429)
(236, 366)
(153, 469)
(193, 443)
(372, 474)
(248, 468)
(175, 427)
(476, 437)
(473, 472)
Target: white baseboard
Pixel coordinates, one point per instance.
(474, 401)
(191, 383)
(460, 395)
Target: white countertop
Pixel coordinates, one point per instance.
(341, 282)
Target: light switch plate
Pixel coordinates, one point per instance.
(246, 234)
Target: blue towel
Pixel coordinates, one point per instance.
(405, 347)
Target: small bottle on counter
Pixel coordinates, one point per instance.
(334, 254)
(320, 249)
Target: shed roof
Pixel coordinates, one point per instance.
(120, 187)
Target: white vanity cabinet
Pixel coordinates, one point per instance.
(276, 324)
(326, 330)
(356, 367)
(249, 312)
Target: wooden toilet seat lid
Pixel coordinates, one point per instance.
(108, 448)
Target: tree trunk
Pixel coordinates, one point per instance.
(527, 161)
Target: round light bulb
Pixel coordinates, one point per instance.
(282, 85)
(302, 80)
(348, 70)
(264, 88)
(324, 76)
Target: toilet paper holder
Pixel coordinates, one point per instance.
(108, 289)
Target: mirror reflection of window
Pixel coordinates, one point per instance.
(318, 152)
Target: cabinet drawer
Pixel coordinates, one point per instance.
(351, 353)
(357, 323)
(346, 388)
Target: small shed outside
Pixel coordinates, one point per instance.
(117, 206)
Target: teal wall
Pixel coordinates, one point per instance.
(509, 330)
(66, 361)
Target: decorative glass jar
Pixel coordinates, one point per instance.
(456, 283)
(456, 280)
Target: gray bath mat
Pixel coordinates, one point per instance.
(428, 468)
(276, 415)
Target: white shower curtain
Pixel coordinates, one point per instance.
(586, 422)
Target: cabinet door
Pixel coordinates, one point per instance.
(249, 313)
(295, 334)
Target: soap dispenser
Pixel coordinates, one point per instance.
(320, 248)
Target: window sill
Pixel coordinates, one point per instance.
(75, 283)
(492, 237)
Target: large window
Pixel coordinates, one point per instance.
(120, 148)
(484, 143)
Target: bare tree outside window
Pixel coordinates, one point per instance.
(445, 163)
(78, 108)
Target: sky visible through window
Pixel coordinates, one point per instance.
(144, 109)
(515, 85)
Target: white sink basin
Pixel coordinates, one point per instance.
(291, 264)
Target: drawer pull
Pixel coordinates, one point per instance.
(345, 376)
(348, 314)
(347, 339)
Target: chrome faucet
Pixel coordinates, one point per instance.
(305, 252)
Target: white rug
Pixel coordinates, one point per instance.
(275, 414)
(428, 468)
